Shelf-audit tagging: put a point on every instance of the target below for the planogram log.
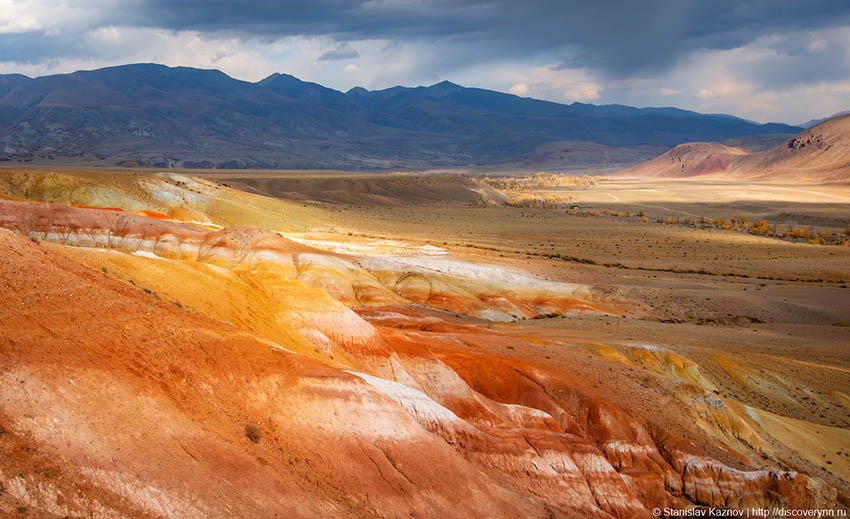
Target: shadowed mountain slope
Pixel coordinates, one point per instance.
(153, 115)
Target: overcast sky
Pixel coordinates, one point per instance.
(766, 60)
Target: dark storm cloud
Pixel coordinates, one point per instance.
(617, 38)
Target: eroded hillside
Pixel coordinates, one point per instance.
(166, 360)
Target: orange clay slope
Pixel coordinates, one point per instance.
(688, 160)
(116, 404)
(820, 154)
(118, 401)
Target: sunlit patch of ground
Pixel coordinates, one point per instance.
(351, 245)
(826, 447)
(783, 207)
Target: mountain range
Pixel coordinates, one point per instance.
(153, 115)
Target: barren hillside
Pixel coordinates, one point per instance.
(689, 160)
(820, 154)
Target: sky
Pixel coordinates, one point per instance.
(764, 60)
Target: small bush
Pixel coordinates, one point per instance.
(253, 433)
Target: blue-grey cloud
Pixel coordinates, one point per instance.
(35, 46)
(342, 51)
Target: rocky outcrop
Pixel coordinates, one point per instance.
(709, 483)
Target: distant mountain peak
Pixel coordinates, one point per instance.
(282, 78)
(444, 88)
(271, 77)
(445, 84)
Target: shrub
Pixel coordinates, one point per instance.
(800, 233)
(759, 227)
(253, 433)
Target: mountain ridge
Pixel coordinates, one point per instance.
(150, 114)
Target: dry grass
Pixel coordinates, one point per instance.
(546, 191)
